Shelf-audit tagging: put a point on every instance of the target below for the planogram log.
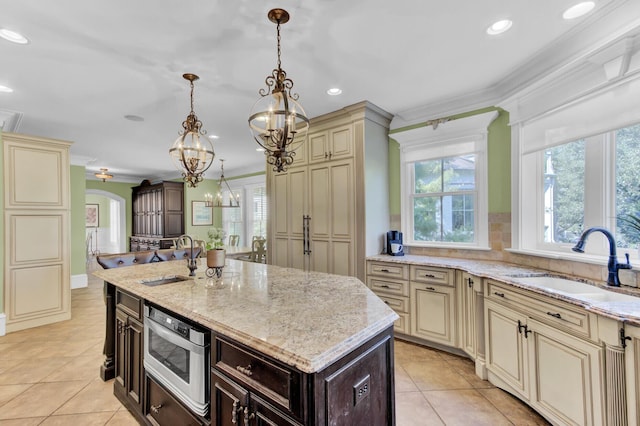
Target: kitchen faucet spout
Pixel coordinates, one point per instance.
(613, 266)
(191, 262)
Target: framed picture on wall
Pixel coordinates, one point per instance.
(201, 215)
(92, 219)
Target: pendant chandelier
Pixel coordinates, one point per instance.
(234, 200)
(192, 152)
(102, 174)
(277, 121)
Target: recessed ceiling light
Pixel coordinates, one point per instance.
(5, 89)
(13, 36)
(579, 10)
(214, 137)
(132, 117)
(499, 27)
(260, 149)
(334, 91)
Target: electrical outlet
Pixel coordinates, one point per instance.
(361, 390)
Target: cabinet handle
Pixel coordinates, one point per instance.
(384, 270)
(384, 286)
(429, 276)
(245, 370)
(556, 315)
(498, 294)
(521, 326)
(155, 408)
(247, 416)
(330, 154)
(430, 289)
(470, 282)
(326, 155)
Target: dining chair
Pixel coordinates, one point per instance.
(234, 240)
(258, 250)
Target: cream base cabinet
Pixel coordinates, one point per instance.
(330, 210)
(390, 282)
(632, 370)
(433, 313)
(37, 282)
(471, 319)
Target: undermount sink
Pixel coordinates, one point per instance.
(163, 280)
(575, 289)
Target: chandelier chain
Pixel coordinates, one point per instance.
(278, 33)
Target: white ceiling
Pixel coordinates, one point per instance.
(90, 63)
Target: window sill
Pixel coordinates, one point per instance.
(448, 247)
(583, 258)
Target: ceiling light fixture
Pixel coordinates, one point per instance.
(104, 175)
(6, 89)
(191, 154)
(234, 200)
(334, 91)
(277, 121)
(578, 10)
(499, 27)
(13, 36)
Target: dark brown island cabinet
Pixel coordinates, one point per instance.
(158, 215)
(247, 387)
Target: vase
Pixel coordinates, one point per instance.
(215, 258)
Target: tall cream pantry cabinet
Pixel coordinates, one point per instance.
(331, 208)
(36, 231)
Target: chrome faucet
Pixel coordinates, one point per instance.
(613, 265)
(191, 262)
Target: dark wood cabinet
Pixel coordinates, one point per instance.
(129, 348)
(158, 213)
(163, 409)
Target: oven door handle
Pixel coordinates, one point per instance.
(174, 338)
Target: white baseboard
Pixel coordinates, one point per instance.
(3, 324)
(79, 281)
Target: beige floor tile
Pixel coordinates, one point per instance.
(412, 409)
(66, 348)
(467, 369)
(32, 371)
(403, 381)
(407, 352)
(91, 419)
(465, 407)
(8, 364)
(31, 421)
(519, 413)
(8, 392)
(96, 397)
(81, 368)
(122, 418)
(41, 399)
(431, 375)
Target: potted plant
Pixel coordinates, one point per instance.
(215, 250)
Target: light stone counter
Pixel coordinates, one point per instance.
(620, 310)
(304, 319)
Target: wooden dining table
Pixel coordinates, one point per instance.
(234, 252)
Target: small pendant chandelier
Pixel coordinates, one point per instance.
(234, 200)
(192, 152)
(277, 121)
(102, 174)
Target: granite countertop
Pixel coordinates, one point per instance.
(305, 319)
(625, 308)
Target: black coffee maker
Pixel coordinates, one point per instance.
(394, 243)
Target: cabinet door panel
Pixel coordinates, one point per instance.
(227, 401)
(566, 383)
(280, 196)
(342, 201)
(506, 351)
(341, 142)
(135, 350)
(318, 147)
(297, 256)
(121, 348)
(341, 258)
(296, 201)
(433, 313)
(319, 208)
(320, 256)
(280, 252)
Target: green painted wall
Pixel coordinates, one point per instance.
(498, 162)
(197, 194)
(78, 252)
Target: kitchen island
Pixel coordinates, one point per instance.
(329, 336)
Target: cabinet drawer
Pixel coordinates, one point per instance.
(273, 380)
(164, 409)
(426, 274)
(398, 304)
(546, 309)
(128, 303)
(391, 270)
(395, 287)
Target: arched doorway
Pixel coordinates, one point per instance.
(110, 235)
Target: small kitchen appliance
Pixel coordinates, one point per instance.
(394, 243)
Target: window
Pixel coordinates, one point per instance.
(444, 198)
(251, 218)
(584, 183)
(444, 184)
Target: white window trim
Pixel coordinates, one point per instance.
(458, 137)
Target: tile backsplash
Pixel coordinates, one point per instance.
(500, 239)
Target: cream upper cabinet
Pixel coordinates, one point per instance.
(323, 214)
(37, 231)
